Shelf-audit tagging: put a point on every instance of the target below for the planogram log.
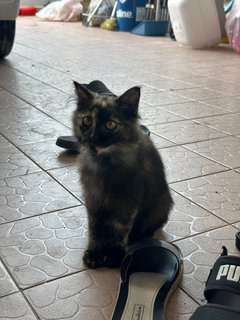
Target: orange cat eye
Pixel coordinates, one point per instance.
(87, 121)
(111, 125)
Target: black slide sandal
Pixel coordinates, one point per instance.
(215, 312)
(150, 272)
(70, 142)
(222, 290)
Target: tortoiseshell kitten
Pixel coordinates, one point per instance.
(125, 190)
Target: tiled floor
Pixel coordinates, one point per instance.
(191, 103)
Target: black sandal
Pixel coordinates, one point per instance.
(222, 290)
(70, 142)
(150, 272)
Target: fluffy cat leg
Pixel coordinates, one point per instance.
(94, 254)
(107, 243)
(150, 218)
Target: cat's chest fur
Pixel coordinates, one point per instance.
(111, 178)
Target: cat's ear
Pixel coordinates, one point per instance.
(130, 99)
(83, 94)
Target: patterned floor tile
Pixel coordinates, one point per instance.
(37, 93)
(237, 225)
(226, 123)
(69, 178)
(48, 155)
(43, 129)
(14, 108)
(31, 195)
(45, 247)
(15, 307)
(187, 219)
(218, 193)
(162, 98)
(90, 294)
(42, 221)
(228, 104)
(7, 285)
(13, 162)
(187, 131)
(182, 164)
(193, 109)
(150, 115)
(180, 306)
(165, 84)
(225, 151)
(159, 142)
(41, 72)
(199, 93)
(200, 253)
(66, 120)
(225, 88)
(203, 81)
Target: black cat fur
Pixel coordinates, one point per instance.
(122, 174)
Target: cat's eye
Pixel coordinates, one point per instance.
(111, 125)
(87, 121)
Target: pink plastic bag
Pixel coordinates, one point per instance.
(233, 26)
(64, 10)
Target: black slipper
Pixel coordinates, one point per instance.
(150, 272)
(222, 290)
(70, 142)
(99, 87)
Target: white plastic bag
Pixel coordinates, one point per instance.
(64, 10)
(233, 26)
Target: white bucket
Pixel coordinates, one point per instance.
(197, 24)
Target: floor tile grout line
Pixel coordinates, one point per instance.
(198, 153)
(54, 279)
(196, 118)
(226, 224)
(195, 141)
(42, 214)
(188, 294)
(19, 290)
(66, 188)
(199, 205)
(36, 79)
(30, 305)
(40, 165)
(42, 169)
(208, 157)
(184, 118)
(154, 106)
(43, 64)
(18, 147)
(35, 107)
(199, 176)
(233, 225)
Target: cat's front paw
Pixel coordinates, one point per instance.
(114, 257)
(93, 259)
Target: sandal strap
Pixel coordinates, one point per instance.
(215, 312)
(134, 260)
(224, 276)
